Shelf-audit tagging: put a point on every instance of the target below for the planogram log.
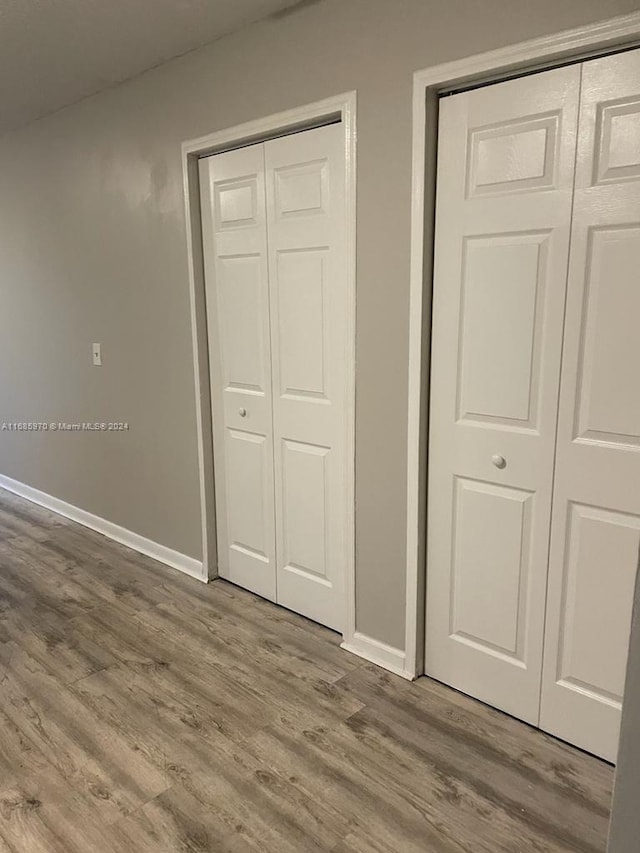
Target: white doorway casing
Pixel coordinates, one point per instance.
(340, 109)
(273, 218)
(537, 175)
(539, 54)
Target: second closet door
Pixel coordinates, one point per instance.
(505, 184)
(275, 268)
(596, 507)
(502, 334)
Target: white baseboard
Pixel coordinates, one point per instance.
(168, 556)
(379, 653)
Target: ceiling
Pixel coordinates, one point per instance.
(55, 52)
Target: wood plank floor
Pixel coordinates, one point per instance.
(143, 711)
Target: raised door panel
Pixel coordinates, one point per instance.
(236, 203)
(617, 155)
(300, 284)
(597, 597)
(248, 482)
(491, 560)
(242, 303)
(304, 506)
(237, 299)
(607, 407)
(309, 327)
(513, 156)
(503, 277)
(301, 189)
(503, 210)
(596, 507)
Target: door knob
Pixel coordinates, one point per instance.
(242, 413)
(499, 461)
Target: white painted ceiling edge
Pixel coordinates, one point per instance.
(54, 53)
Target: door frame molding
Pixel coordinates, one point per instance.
(539, 54)
(340, 108)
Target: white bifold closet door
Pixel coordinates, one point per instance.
(234, 225)
(595, 534)
(274, 241)
(505, 185)
(535, 414)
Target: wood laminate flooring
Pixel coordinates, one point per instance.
(144, 711)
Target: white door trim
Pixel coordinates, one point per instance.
(342, 108)
(534, 55)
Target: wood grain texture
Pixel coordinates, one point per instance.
(141, 710)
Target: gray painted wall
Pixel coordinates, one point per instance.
(93, 248)
(624, 834)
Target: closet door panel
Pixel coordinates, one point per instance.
(237, 298)
(505, 185)
(307, 268)
(596, 510)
